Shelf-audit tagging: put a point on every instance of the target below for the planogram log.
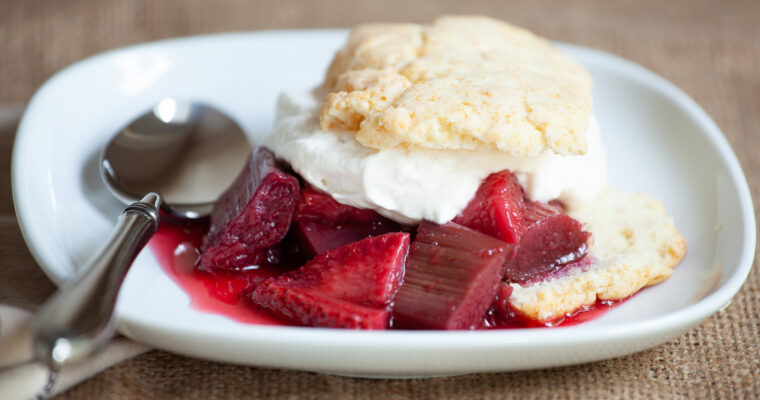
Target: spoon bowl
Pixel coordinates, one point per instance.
(188, 152)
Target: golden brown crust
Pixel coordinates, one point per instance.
(470, 83)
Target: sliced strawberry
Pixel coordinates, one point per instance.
(251, 216)
(452, 276)
(497, 208)
(323, 224)
(359, 276)
(546, 247)
(367, 272)
(301, 306)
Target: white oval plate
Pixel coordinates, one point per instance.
(659, 142)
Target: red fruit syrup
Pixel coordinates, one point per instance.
(176, 249)
(583, 314)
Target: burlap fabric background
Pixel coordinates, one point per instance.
(711, 49)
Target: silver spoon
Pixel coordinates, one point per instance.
(187, 152)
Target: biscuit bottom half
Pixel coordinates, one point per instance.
(635, 245)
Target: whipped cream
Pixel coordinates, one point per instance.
(408, 185)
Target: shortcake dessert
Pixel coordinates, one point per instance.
(444, 176)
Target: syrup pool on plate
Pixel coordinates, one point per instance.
(175, 246)
(176, 249)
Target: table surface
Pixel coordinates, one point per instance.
(711, 49)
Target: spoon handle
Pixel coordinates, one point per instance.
(78, 319)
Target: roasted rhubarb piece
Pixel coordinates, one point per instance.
(317, 206)
(452, 276)
(347, 287)
(323, 224)
(252, 215)
(546, 247)
(497, 208)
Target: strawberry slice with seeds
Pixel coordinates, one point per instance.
(251, 216)
(301, 306)
(366, 272)
(452, 276)
(497, 208)
(345, 287)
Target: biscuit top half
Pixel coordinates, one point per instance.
(467, 83)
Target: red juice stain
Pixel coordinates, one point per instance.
(592, 312)
(584, 314)
(176, 249)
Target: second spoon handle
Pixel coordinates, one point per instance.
(78, 319)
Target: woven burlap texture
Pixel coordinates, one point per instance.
(711, 49)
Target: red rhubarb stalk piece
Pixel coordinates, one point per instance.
(452, 276)
(322, 223)
(252, 215)
(318, 206)
(546, 247)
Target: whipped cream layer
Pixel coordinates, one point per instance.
(411, 184)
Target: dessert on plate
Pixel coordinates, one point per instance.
(444, 176)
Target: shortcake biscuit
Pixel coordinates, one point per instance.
(467, 83)
(635, 245)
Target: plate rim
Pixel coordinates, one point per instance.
(686, 316)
